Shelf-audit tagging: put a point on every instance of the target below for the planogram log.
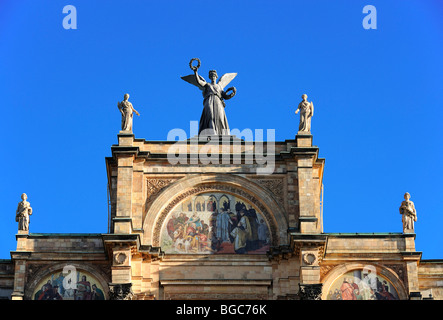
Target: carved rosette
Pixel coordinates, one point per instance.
(120, 258)
(212, 188)
(309, 258)
(315, 254)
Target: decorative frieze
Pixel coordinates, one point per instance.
(154, 187)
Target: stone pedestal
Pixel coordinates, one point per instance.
(21, 238)
(125, 138)
(304, 139)
(415, 295)
(310, 291)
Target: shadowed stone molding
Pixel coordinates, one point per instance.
(33, 268)
(216, 296)
(289, 296)
(212, 188)
(399, 269)
(120, 291)
(315, 246)
(310, 291)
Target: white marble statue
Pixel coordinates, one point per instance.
(407, 210)
(23, 212)
(127, 111)
(306, 110)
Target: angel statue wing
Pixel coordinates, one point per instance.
(191, 80)
(225, 79)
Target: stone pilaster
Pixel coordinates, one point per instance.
(124, 154)
(309, 265)
(412, 259)
(308, 187)
(306, 197)
(20, 261)
(120, 249)
(310, 250)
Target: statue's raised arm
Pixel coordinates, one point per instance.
(195, 79)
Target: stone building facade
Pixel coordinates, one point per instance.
(206, 229)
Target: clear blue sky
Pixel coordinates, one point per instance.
(378, 97)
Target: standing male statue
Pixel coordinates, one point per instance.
(213, 120)
(126, 110)
(407, 210)
(23, 212)
(306, 112)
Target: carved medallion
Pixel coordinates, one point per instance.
(120, 258)
(309, 258)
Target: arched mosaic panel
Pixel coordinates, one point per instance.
(362, 284)
(72, 285)
(226, 225)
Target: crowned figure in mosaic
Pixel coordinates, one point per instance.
(23, 212)
(409, 215)
(213, 120)
(127, 111)
(306, 110)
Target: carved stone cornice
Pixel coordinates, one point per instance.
(151, 254)
(280, 253)
(315, 243)
(129, 242)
